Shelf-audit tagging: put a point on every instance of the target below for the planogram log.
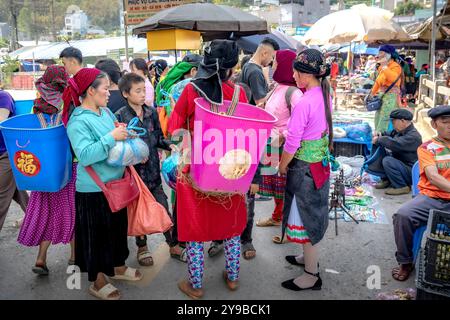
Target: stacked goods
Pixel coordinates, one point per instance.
(426, 291)
(437, 253)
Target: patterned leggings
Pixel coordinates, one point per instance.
(196, 260)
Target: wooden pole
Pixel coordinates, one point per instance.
(126, 30)
(433, 42)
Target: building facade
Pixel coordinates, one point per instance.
(75, 21)
(298, 12)
(4, 30)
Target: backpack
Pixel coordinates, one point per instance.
(288, 96)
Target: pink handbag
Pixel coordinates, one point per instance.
(119, 193)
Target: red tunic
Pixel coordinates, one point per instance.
(199, 218)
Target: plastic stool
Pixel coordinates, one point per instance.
(417, 241)
(415, 178)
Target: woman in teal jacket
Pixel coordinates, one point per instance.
(100, 235)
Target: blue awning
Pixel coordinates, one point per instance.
(360, 48)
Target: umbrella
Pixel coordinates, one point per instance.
(250, 43)
(359, 23)
(286, 38)
(213, 21)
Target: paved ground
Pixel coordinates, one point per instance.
(350, 254)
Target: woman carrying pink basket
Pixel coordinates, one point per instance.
(201, 216)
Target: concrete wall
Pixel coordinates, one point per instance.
(296, 14)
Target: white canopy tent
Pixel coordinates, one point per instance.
(89, 48)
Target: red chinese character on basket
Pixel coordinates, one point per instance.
(27, 163)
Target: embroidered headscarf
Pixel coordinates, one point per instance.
(76, 87)
(220, 55)
(50, 88)
(313, 62)
(283, 73)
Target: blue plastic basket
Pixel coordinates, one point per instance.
(23, 106)
(40, 158)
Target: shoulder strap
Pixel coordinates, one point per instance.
(234, 100)
(288, 96)
(95, 177)
(393, 84)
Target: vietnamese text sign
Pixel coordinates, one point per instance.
(139, 10)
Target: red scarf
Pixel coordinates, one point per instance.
(76, 87)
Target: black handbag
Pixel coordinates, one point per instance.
(375, 103)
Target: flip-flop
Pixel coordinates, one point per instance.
(277, 240)
(40, 270)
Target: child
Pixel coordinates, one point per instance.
(132, 87)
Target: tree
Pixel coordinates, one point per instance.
(34, 19)
(103, 13)
(407, 8)
(350, 3)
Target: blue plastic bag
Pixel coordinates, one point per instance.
(359, 132)
(169, 169)
(130, 151)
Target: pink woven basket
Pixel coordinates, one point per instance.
(219, 138)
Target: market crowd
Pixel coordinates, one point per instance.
(293, 86)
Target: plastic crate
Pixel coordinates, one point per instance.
(437, 249)
(437, 256)
(438, 226)
(426, 291)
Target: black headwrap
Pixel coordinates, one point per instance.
(220, 55)
(313, 62)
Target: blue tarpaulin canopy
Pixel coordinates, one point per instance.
(360, 48)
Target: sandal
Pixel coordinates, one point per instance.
(41, 270)
(277, 240)
(105, 292)
(181, 257)
(268, 222)
(186, 287)
(129, 275)
(215, 249)
(232, 285)
(402, 272)
(248, 251)
(145, 258)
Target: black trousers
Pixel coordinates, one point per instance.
(100, 235)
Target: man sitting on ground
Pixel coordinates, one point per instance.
(434, 187)
(401, 153)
